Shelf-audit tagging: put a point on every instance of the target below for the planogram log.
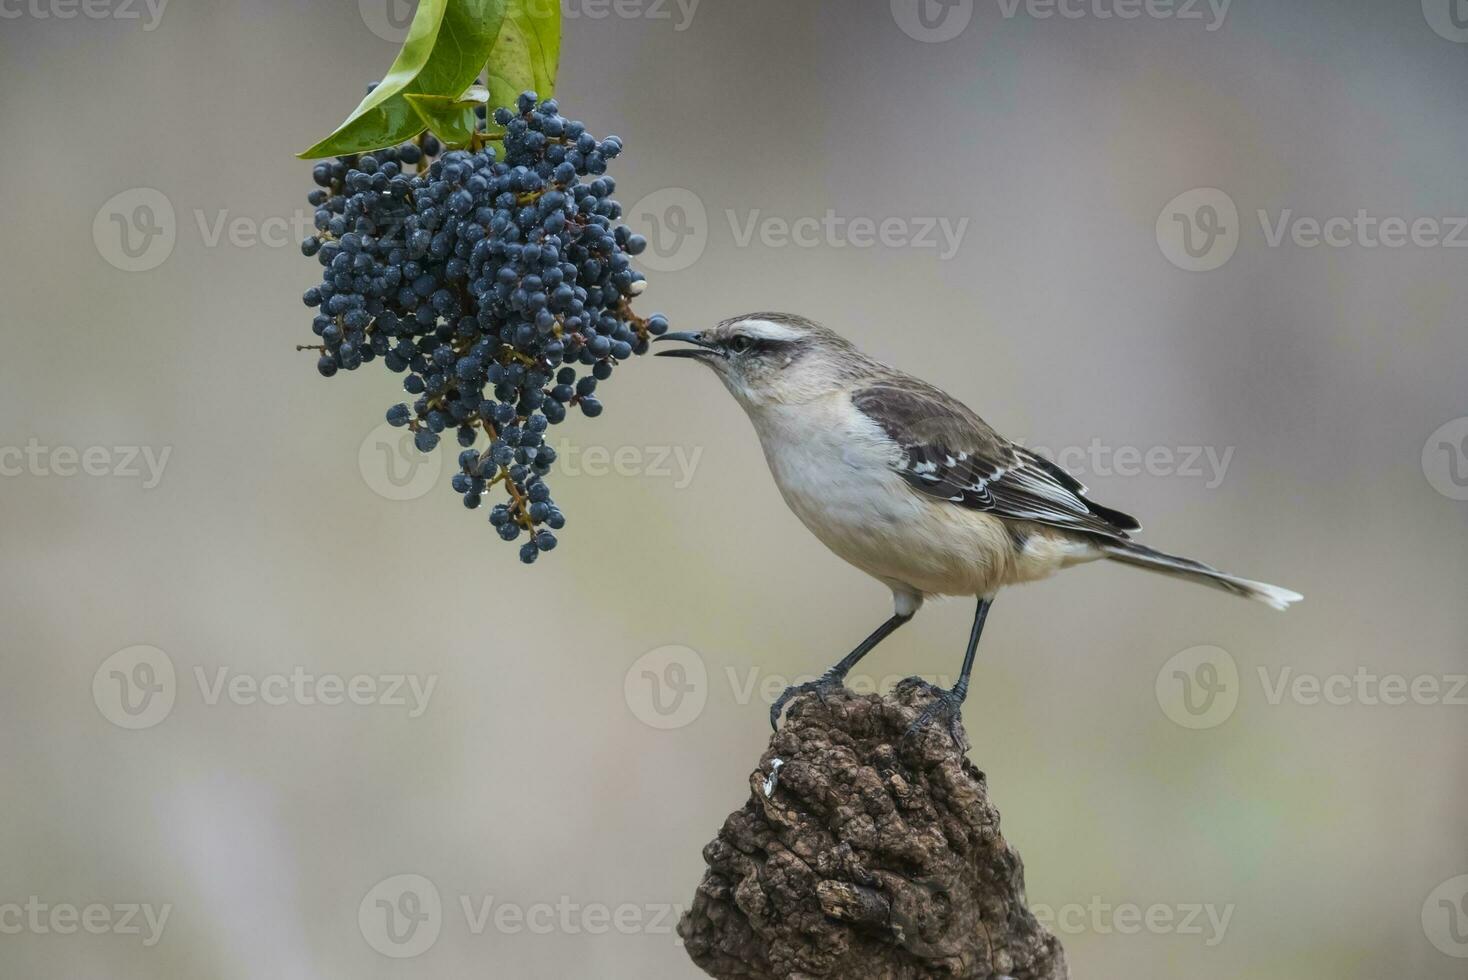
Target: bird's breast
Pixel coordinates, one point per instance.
(833, 467)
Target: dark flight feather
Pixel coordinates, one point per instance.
(950, 453)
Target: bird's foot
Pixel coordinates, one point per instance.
(945, 708)
(827, 683)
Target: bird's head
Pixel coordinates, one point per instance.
(770, 358)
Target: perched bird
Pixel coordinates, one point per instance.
(910, 486)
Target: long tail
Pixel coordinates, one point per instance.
(1131, 553)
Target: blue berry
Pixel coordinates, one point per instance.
(497, 287)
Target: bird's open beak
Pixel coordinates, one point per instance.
(701, 349)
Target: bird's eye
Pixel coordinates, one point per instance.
(741, 344)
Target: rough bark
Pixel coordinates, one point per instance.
(862, 855)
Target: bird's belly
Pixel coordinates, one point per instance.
(872, 519)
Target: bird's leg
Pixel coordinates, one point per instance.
(833, 677)
(946, 704)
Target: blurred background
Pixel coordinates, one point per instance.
(270, 687)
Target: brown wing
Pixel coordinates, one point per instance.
(948, 452)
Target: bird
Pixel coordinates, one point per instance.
(909, 485)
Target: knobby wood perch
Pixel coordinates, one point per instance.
(864, 856)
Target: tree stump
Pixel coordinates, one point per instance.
(862, 855)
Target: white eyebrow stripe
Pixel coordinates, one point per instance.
(768, 330)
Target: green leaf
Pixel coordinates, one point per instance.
(447, 46)
(527, 55)
(451, 120)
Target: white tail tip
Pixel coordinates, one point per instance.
(1272, 595)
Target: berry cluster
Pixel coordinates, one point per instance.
(501, 289)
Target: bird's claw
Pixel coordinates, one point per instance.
(820, 687)
(946, 706)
